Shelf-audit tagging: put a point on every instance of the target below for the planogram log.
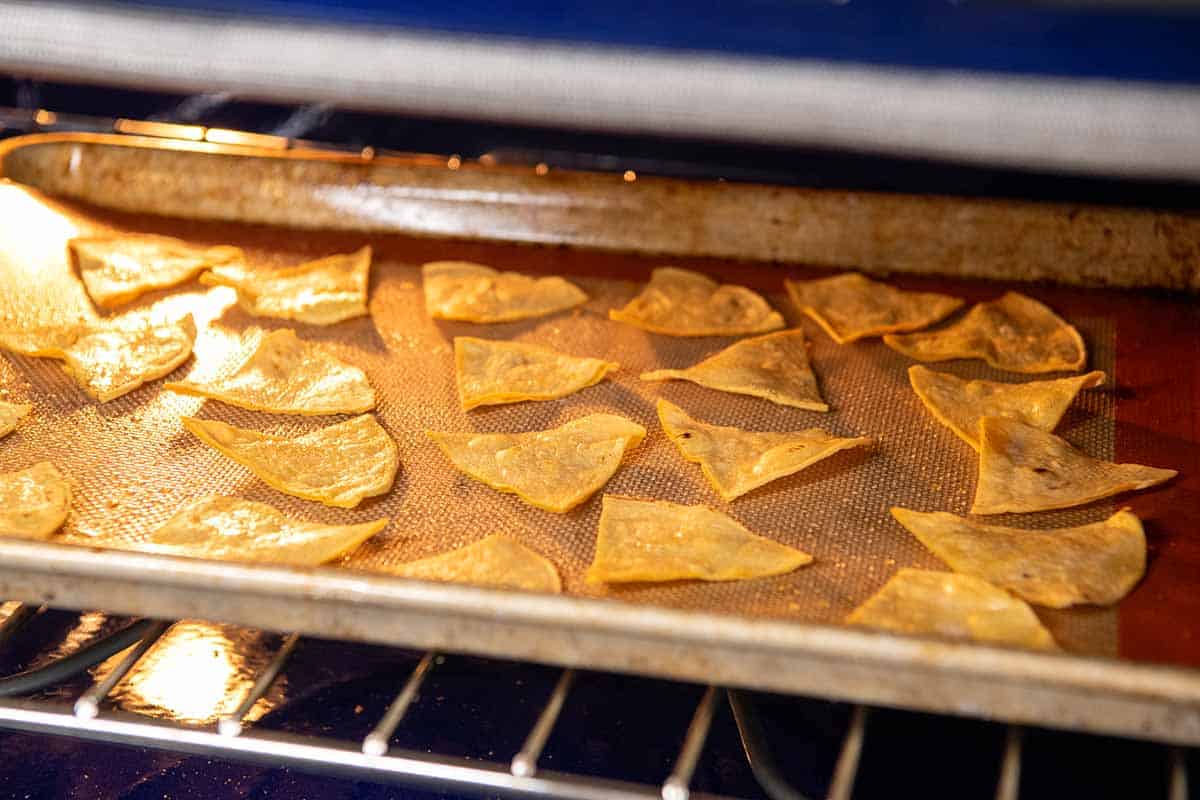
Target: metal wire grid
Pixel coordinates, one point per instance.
(374, 758)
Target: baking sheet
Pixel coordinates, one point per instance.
(133, 466)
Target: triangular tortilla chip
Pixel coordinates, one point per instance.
(1024, 469)
(232, 529)
(1015, 333)
(921, 602)
(10, 415)
(492, 561)
(851, 307)
(491, 372)
(653, 540)
(679, 302)
(1096, 564)
(287, 375)
(117, 269)
(33, 502)
(960, 404)
(774, 367)
(319, 292)
(736, 461)
(115, 359)
(338, 465)
(554, 470)
(470, 292)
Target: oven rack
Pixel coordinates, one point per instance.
(373, 758)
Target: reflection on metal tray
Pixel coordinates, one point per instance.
(134, 466)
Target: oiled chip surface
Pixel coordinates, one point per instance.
(554, 470)
(117, 269)
(959, 404)
(33, 502)
(45, 341)
(851, 307)
(736, 461)
(319, 292)
(679, 302)
(774, 367)
(232, 529)
(287, 375)
(113, 360)
(492, 561)
(474, 293)
(1024, 469)
(917, 601)
(338, 465)
(653, 540)
(1014, 333)
(495, 372)
(1097, 563)
(11, 414)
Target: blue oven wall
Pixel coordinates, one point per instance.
(1134, 41)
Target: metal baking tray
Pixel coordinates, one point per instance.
(1127, 670)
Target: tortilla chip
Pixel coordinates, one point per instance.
(319, 292)
(851, 307)
(1015, 333)
(491, 373)
(470, 292)
(10, 415)
(492, 561)
(960, 404)
(33, 502)
(774, 367)
(287, 375)
(113, 360)
(679, 302)
(653, 540)
(1096, 564)
(338, 465)
(1024, 469)
(232, 529)
(554, 470)
(921, 602)
(44, 341)
(117, 269)
(736, 461)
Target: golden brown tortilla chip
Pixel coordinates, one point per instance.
(851, 307)
(470, 292)
(554, 470)
(287, 375)
(1014, 333)
(118, 269)
(920, 602)
(736, 461)
(34, 502)
(114, 359)
(653, 540)
(774, 367)
(492, 561)
(320, 292)
(492, 372)
(678, 302)
(1096, 564)
(1024, 469)
(10, 415)
(960, 404)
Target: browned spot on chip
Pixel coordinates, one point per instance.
(736, 461)
(851, 307)
(774, 367)
(653, 540)
(922, 602)
(1097, 563)
(960, 404)
(1015, 333)
(1024, 469)
(679, 302)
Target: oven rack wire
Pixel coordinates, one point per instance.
(373, 758)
